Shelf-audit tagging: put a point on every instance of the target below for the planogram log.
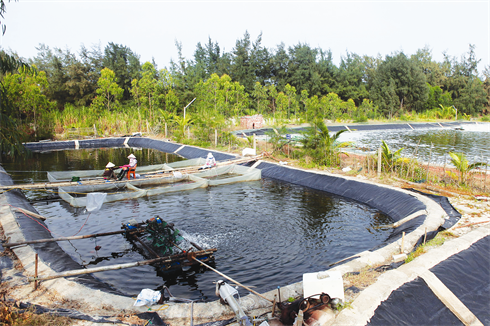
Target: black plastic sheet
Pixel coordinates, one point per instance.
(413, 304)
(467, 275)
(160, 145)
(102, 143)
(453, 215)
(395, 204)
(50, 145)
(50, 252)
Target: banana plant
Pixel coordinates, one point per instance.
(388, 156)
(461, 163)
(182, 123)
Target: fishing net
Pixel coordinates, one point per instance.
(56, 176)
(69, 194)
(76, 195)
(230, 174)
(187, 163)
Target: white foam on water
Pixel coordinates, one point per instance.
(207, 242)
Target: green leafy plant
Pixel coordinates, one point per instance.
(461, 163)
(321, 145)
(389, 157)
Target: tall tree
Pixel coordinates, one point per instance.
(184, 76)
(124, 63)
(108, 92)
(279, 63)
(434, 72)
(350, 83)
(302, 67)
(11, 136)
(242, 69)
(261, 98)
(399, 84)
(466, 88)
(261, 61)
(25, 92)
(486, 86)
(148, 85)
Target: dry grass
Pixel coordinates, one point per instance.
(11, 314)
(362, 279)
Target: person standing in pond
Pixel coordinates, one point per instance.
(126, 167)
(109, 171)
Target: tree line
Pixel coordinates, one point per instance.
(294, 84)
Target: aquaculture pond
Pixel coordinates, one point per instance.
(268, 233)
(426, 144)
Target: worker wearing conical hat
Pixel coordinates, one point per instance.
(109, 171)
(126, 167)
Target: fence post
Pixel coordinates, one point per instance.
(379, 162)
(215, 137)
(95, 131)
(428, 164)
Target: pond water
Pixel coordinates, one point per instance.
(268, 233)
(426, 144)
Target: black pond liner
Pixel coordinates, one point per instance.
(395, 204)
(466, 274)
(413, 304)
(50, 252)
(453, 215)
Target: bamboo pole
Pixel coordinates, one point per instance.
(115, 267)
(232, 280)
(25, 211)
(15, 244)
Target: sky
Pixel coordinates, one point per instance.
(151, 28)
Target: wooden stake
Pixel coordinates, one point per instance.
(425, 235)
(403, 243)
(35, 272)
(485, 183)
(428, 164)
(379, 162)
(274, 305)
